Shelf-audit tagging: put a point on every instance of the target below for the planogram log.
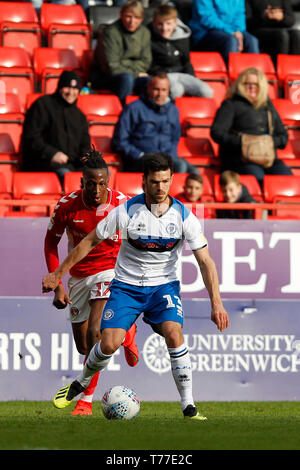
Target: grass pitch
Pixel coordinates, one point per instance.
(159, 426)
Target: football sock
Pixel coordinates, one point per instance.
(182, 374)
(88, 393)
(95, 362)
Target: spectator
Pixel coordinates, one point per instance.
(247, 110)
(221, 26)
(150, 124)
(193, 192)
(270, 21)
(123, 53)
(234, 191)
(55, 132)
(170, 39)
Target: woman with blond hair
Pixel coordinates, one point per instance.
(247, 110)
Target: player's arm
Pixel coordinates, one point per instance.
(210, 278)
(51, 280)
(61, 298)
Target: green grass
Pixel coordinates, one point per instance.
(159, 426)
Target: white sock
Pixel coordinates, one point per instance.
(182, 374)
(95, 362)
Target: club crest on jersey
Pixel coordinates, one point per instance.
(108, 314)
(171, 228)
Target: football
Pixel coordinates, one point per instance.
(120, 402)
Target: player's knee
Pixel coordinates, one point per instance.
(174, 338)
(109, 346)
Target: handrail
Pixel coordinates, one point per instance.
(258, 208)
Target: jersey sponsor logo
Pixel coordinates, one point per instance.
(77, 221)
(108, 314)
(159, 245)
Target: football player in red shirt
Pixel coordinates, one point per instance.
(78, 213)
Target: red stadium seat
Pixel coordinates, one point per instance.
(290, 116)
(16, 73)
(11, 127)
(66, 27)
(283, 189)
(195, 113)
(288, 72)
(72, 181)
(198, 151)
(239, 61)
(102, 112)
(210, 67)
(9, 164)
(248, 180)
(19, 26)
(129, 183)
(49, 63)
(10, 104)
(4, 194)
(36, 185)
(31, 97)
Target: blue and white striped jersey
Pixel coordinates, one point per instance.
(150, 245)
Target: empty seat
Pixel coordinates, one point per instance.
(102, 112)
(101, 15)
(129, 183)
(16, 72)
(198, 151)
(72, 181)
(196, 115)
(289, 113)
(210, 67)
(283, 189)
(11, 124)
(66, 27)
(36, 185)
(49, 63)
(4, 194)
(239, 61)
(9, 164)
(288, 72)
(19, 26)
(248, 180)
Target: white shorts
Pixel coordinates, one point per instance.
(84, 289)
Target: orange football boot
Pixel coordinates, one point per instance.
(130, 348)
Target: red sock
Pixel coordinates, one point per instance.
(92, 385)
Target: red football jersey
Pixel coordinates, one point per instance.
(73, 215)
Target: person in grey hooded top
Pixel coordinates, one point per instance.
(170, 44)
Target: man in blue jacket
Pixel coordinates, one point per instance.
(220, 25)
(150, 124)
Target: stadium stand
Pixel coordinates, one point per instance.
(102, 112)
(288, 72)
(129, 183)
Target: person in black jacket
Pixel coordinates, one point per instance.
(55, 132)
(170, 43)
(234, 191)
(245, 110)
(270, 21)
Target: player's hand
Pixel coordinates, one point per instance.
(61, 298)
(50, 282)
(221, 319)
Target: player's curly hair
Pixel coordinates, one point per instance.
(93, 160)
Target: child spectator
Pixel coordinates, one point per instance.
(170, 40)
(193, 192)
(234, 191)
